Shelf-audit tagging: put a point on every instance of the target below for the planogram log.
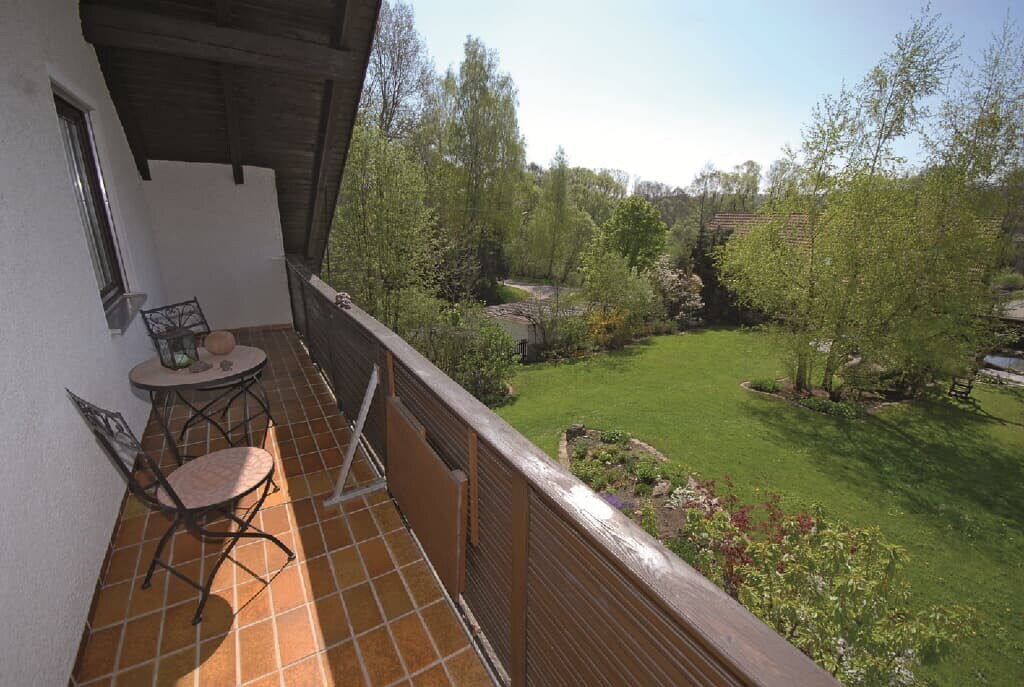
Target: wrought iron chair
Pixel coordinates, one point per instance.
(211, 485)
(189, 315)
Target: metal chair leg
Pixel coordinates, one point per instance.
(244, 531)
(159, 549)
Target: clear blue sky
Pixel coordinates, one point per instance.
(657, 88)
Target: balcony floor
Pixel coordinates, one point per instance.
(358, 606)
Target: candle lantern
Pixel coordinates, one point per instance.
(177, 348)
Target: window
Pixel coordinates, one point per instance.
(92, 206)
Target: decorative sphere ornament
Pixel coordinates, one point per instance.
(220, 342)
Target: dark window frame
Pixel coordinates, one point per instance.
(89, 190)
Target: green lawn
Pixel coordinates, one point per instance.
(511, 294)
(945, 481)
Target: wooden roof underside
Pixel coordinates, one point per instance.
(267, 83)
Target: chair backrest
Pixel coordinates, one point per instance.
(137, 467)
(183, 315)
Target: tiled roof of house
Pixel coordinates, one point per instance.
(797, 232)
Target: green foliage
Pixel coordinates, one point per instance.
(592, 472)
(470, 347)
(636, 232)
(551, 243)
(579, 452)
(647, 470)
(474, 156)
(1008, 280)
(379, 244)
(615, 436)
(643, 489)
(837, 593)
(765, 384)
(847, 409)
(649, 519)
(859, 253)
(619, 298)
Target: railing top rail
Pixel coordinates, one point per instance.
(740, 641)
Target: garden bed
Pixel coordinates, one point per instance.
(818, 399)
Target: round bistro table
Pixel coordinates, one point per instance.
(243, 379)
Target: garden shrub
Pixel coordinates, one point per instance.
(649, 519)
(678, 290)
(593, 472)
(847, 409)
(615, 436)
(1008, 280)
(765, 384)
(580, 452)
(647, 470)
(837, 593)
(643, 489)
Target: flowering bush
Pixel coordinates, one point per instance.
(679, 291)
(837, 593)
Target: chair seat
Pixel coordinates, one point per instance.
(218, 477)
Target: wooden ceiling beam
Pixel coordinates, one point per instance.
(135, 30)
(329, 108)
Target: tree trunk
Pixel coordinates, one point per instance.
(800, 383)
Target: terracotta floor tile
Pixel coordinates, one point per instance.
(178, 589)
(392, 595)
(343, 667)
(361, 608)
(218, 615)
(363, 525)
(413, 643)
(435, 677)
(100, 652)
(305, 673)
(310, 542)
(276, 558)
(147, 600)
(403, 548)
(305, 444)
(139, 676)
(140, 640)
(330, 623)
(217, 662)
(177, 669)
(387, 517)
(156, 525)
(253, 599)
(421, 583)
(348, 567)
(320, 482)
(466, 670)
(257, 655)
(275, 520)
(318, 425)
(353, 505)
(111, 605)
(379, 657)
(336, 534)
(179, 631)
(122, 565)
(130, 532)
(376, 557)
(332, 457)
(321, 578)
(271, 680)
(444, 627)
(187, 547)
(303, 512)
(295, 635)
(287, 590)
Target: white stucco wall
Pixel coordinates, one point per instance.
(58, 494)
(220, 241)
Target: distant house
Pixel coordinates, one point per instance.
(520, 320)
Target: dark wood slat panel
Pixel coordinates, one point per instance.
(185, 37)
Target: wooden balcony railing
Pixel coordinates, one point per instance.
(566, 589)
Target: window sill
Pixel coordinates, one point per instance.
(121, 312)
